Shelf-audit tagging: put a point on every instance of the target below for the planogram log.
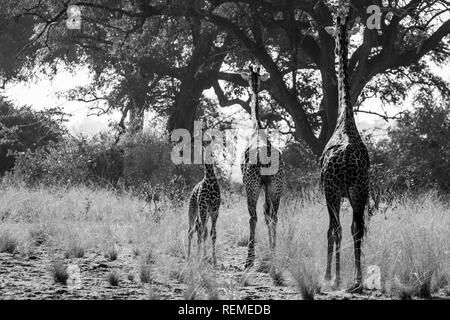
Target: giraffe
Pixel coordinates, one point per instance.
(345, 166)
(204, 202)
(254, 179)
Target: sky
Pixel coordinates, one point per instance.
(44, 93)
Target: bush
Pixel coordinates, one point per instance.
(140, 163)
(23, 129)
(62, 163)
(7, 243)
(113, 278)
(302, 168)
(59, 272)
(149, 170)
(414, 157)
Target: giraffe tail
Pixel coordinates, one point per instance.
(268, 205)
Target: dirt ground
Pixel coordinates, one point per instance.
(28, 277)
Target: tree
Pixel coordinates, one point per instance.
(213, 40)
(137, 61)
(23, 129)
(420, 148)
(16, 49)
(387, 64)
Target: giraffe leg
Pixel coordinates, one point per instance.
(271, 218)
(192, 223)
(334, 234)
(276, 204)
(214, 216)
(269, 223)
(252, 198)
(330, 248)
(204, 236)
(202, 231)
(338, 239)
(251, 241)
(190, 235)
(358, 206)
(199, 229)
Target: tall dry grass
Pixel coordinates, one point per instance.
(410, 241)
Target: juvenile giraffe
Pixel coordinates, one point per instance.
(345, 166)
(204, 202)
(255, 179)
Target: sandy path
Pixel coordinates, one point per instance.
(28, 277)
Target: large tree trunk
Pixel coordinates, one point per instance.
(137, 115)
(193, 83)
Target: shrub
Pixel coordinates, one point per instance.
(139, 163)
(112, 253)
(59, 272)
(38, 236)
(74, 250)
(25, 129)
(113, 278)
(7, 243)
(145, 272)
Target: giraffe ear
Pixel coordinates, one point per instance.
(331, 30)
(245, 76)
(265, 76)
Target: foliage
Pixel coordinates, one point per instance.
(161, 56)
(16, 50)
(421, 140)
(58, 163)
(140, 163)
(22, 129)
(302, 170)
(149, 170)
(415, 154)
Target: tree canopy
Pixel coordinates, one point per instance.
(162, 55)
(23, 129)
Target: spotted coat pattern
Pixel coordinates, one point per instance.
(204, 203)
(345, 168)
(273, 184)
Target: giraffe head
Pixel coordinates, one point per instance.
(208, 157)
(341, 24)
(254, 78)
(341, 13)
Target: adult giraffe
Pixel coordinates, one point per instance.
(260, 174)
(345, 164)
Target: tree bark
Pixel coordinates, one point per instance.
(193, 82)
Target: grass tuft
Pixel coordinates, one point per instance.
(8, 244)
(306, 282)
(38, 236)
(145, 272)
(200, 282)
(112, 253)
(75, 250)
(277, 277)
(58, 270)
(113, 278)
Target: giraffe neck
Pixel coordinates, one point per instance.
(209, 171)
(255, 110)
(345, 112)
